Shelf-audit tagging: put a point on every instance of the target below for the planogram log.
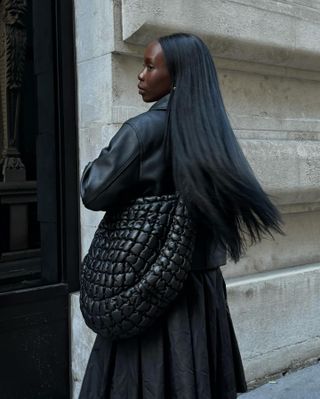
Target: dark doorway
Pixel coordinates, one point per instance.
(39, 213)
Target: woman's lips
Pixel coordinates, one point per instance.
(141, 90)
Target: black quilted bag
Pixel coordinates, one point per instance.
(137, 263)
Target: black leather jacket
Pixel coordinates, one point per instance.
(135, 164)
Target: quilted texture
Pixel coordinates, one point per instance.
(136, 265)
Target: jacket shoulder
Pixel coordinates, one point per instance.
(149, 127)
(155, 117)
(151, 118)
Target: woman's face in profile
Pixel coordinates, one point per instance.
(154, 79)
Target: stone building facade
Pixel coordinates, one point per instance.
(267, 55)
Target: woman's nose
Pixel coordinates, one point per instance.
(141, 75)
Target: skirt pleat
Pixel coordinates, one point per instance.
(198, 327)
(182, 382)
(153, 372)
(190, 352)
(128, 356)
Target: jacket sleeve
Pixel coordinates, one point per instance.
(114, 175)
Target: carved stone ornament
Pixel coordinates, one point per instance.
(13, 39)
(16, 39)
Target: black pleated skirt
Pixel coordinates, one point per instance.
(191, 352)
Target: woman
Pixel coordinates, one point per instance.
(185, 143)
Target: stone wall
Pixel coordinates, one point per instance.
(268, 60)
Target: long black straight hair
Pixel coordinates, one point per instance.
(209, 168)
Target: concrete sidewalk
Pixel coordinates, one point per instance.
(301, 384)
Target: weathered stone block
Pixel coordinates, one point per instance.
(94, 91)
(276, 316)
(271, 32)
(299, 246)
(81, 341)
(94, 28)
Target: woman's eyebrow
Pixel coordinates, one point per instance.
(149, 59)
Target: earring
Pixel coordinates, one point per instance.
(174, 87)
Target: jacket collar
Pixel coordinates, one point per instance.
(161, 104)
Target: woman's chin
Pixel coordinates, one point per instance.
(145, 98)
